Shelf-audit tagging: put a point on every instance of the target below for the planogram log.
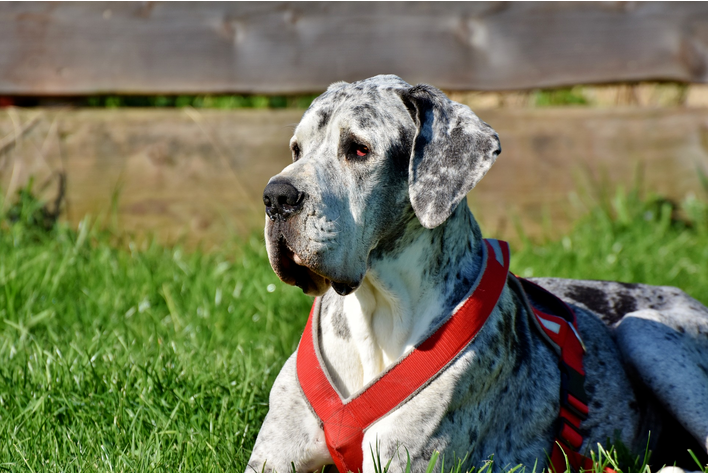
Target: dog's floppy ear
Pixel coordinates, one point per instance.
(452, 151)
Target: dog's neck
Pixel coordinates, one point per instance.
(409, 290)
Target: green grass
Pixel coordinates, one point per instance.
(114, 358)
(224, 101)
(120, 357)
(628, 239)
(570, 96)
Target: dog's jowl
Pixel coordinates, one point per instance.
(420, 341)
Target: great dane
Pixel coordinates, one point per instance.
(371, 217)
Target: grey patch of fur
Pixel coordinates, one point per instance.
(453, 150)
(332, 312)
(672, 364)
(611, 301)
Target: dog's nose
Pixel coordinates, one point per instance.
(282, 199)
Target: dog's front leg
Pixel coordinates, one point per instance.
(291, 437)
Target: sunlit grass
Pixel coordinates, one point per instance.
(647, 241)
(125, 359)
(116, 357)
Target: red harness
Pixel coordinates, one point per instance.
(560, 331)
(344, 422)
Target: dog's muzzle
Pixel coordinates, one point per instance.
(283, 200)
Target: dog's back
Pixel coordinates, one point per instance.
(661, 334)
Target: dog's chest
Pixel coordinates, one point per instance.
(360, 337)
(465, 406)
(471, 407)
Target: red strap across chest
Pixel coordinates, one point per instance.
(344, 423)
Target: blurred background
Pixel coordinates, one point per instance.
(171, 117)
(141, 326)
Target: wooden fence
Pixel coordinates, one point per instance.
(78, 48)
(201, 174)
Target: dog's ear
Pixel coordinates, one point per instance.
(452, 151)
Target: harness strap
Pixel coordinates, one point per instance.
(344, 422)
(560, 331)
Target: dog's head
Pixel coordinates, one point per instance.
(368, 158)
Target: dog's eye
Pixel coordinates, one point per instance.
(296, 152)
(357, 151)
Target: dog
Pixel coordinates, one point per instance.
(371, 218)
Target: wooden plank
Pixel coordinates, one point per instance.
(200, 174)
(555, 163)
(76, 48)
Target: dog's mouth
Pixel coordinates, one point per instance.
(294, 270)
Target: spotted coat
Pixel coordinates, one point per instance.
(371, 216)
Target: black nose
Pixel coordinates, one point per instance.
(282, 199)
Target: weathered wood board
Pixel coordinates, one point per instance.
(200, 174)
(556, 159)
(77, 48)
